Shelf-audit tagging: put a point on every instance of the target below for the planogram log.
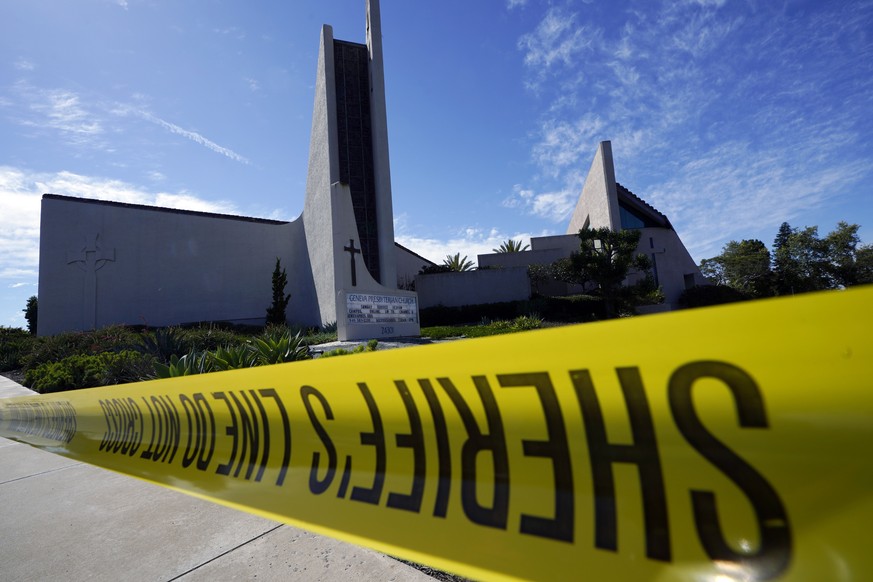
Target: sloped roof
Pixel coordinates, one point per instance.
(640, 206)
(162, 209)
(411, 252)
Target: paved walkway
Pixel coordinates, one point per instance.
(64, 520)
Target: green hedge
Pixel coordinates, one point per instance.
(574, 308)
(15, 344)
(88, 371)
(704, 295)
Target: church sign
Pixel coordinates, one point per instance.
(381, 309)
(373, 313)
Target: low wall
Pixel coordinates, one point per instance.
(473, 287)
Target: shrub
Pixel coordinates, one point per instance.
(15, 344)
(703, 295)
(191, 363)
(31, 313)
(370, 346)
(276, 311)
(210, 337)
(87, 371)
(278, 346)
(163, 343)
(321, 337)
(57, 347)
(231, 358)
(521, 323)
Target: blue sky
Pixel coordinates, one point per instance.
(730, 116)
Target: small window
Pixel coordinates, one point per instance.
(689, 280)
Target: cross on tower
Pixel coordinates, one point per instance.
(353, 251)
(90, 258)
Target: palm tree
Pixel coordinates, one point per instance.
(511, 246)
(456, 263)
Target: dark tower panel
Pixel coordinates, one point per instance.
(355, 140)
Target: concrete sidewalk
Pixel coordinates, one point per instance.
(64, 520)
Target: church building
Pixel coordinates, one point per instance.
(603, 202)
(104, 263)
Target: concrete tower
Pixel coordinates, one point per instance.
(104, 263)
(348, 190)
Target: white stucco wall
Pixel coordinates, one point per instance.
(168, 267)
(473, 287)
(671, 260)
(408, 265)
(521, 259)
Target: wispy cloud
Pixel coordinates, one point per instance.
(23, 64)
(553, 206)
(231, 31)
(20, 194)
(59, 111)
(178, 130)
(66, 113)
(469, 241)
(556, 43)
(252, 83)
(728, 117)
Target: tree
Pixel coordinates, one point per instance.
(841, 249)
(801, 263)
(30, 313)
(783, 275)
(605, 258)
(276, 311)
(864, 264)
(511, 246)
(744, 266)
(458, 264)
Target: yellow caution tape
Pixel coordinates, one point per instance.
(722, 443)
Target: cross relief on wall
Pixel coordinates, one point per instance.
(90, 257)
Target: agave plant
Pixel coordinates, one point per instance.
(163, 343)
(279, 346)
(232, 357)
(511, 246)
(456, 263)
(191, 363)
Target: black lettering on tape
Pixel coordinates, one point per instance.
(166, 434)
(478, 442)
(121, 416)
(232, 430)
(556, 448)
(444, 456)
(131, 437)
(201, 432)
(413, 440)
(53, 420)
(317, 485)
(375, 439)
(250, 433)
(117, 423)
(643, 453)
(286, 434)
(774, 552)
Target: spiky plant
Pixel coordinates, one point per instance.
(457, 263)
(511, 246)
